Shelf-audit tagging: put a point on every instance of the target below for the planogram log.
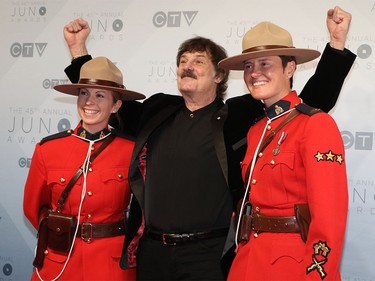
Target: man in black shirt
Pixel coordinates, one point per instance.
(185, 174)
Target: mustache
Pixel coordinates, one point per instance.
(188, 73)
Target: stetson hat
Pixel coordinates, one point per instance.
(100, 73)
(267, 39)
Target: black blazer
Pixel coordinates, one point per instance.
(230, 125)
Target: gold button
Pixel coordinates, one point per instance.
(269, 127)
(255, 235)
(89, 193)
(92, 148)
(120, 176)
(58, 229)
(260, 154)
(62, 180)
(89, 216)
(254, 181)
(272, 162)
(90, 169)
(46, 252)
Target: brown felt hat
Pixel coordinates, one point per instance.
(267, 39)
(100, 73)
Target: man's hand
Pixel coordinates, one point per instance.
(338, 22)
(75, 34)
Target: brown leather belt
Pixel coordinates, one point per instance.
(263, 223)
(173, 239)
(88, 231)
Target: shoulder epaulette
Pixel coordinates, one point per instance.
(258, 118)
(307, 109)
(122, 134)
(56, 136)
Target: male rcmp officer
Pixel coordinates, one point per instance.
(195, 144)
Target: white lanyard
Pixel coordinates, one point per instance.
(247, 191)
(85, 169)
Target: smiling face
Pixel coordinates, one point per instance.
(196, 76)
(267, 79)
(95, 106)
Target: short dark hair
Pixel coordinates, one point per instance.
(284, 62)
(116, 96)
(216, 53)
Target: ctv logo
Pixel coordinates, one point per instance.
(24, 162)
(173, 19)
(358, 140)
(50, 83)
(27, 50)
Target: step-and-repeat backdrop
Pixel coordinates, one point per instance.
(142, 37)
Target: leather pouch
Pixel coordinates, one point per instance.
(61, 228)
(303, 218)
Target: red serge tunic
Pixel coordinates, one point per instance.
(107, 196)
(309, 168)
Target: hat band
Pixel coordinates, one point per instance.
(100, 82)
(265, 47)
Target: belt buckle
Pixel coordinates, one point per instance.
(86, 232)
(165, 242)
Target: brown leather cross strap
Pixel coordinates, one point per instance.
(272, 134)
(267, 140)
(79, 172)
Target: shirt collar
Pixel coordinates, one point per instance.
(213, 106)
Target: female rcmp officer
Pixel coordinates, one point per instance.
(302, 166)
(101, 194)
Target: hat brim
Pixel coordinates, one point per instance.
(237, 62)
(73, 89)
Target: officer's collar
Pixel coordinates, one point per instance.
(282, 105)
(83, 133)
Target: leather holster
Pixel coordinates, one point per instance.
(42, 238)
(303, 218)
